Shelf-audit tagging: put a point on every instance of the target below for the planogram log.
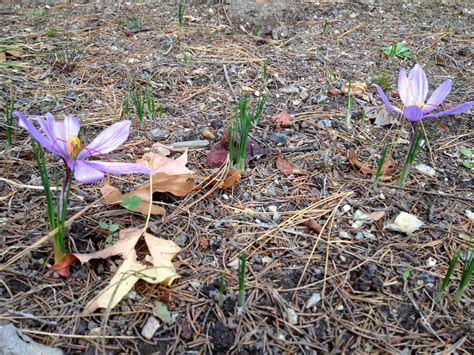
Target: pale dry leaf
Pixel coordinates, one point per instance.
(382, 116)
(128, 238)
(356, 88)
(161, 271)
(3, 57)
(165, 165)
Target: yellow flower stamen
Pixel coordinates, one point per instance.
(73, 146)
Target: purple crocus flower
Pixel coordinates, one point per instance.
(61, 138)
(413, 91)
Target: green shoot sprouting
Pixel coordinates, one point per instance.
(398, 50)
(181, 8)
(186, 58)
(162, 110)
(126, 106)
(258, 31)
(40, 161)
(381, 163)
(221, 290)
(139, 103)
(449, 26)
(447, 278)
(150, 103)
(349, 107)
(466, 275)
(241, 296)
(239, 130)
(325, 26)
(9, 108)
(416, 143)
(265, 74)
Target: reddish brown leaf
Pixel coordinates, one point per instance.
(286, 167)
(388, 171)
(313, 225)
(232, 177)
(333, 92)
(219, 152)
(283, 118)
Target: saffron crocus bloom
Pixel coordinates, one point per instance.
(61, 138)
(413, 91)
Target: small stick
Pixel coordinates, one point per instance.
(31, 316)
(226, 75)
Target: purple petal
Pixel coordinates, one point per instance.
(118, 168)
(403, 84)
(453, 111)
(438, 96)
(85, 172)
(63, 131)
(413, 113)
(418, 87)
(110, 139)
(35, 133)
(385, 100)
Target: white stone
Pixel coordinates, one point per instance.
(425, 169)
(292, 316)
(151, 326)
(313, 300)
(431, 262)
(346, 208)
(405, 223)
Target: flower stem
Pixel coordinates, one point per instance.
(58, 240)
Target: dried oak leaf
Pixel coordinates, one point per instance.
(128, 238)
(286, 167)
(158, 269)
(283, 119)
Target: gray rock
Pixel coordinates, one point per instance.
(279, 138)
(190, 144)
(325, 123)
(14, 342)
(158, 134)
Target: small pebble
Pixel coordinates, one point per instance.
(151, 326)
(292, 316)
(313, 300)
(279, 138)
(158, 134)
(325, 123)
(359, 236)
(346, 208)
(216, 124)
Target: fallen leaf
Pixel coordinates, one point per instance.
(388, 171)
(313, 225)
(160, 271)
(161, 311)
(283, 118)
(3, 57)
(382, 116)
(233, 175)
(128, 238)
(356, 88)
(286, 167)
(333, 92)
(165, 165)
(15, 53)
(204, 242)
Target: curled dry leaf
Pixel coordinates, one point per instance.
(283, 118)
(356, 88)
(158, 269)
(389, 170)
(162, 164)
(286, 167)
(128, 238)
(171, 175)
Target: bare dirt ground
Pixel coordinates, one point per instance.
(376, 286)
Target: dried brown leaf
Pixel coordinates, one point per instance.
(286, 167)
(388, 171)
(283, 118)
